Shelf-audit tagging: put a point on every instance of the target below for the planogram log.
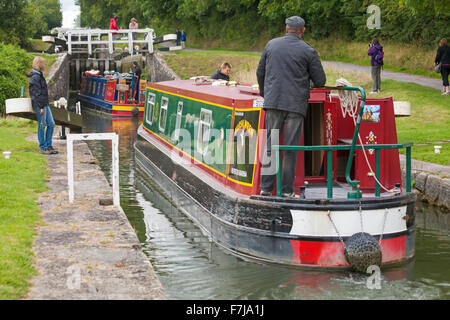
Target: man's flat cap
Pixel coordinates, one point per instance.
(295, 21)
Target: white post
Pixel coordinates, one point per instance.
(110, 43)
(150, 41)
(115, 161)
(115, 165)
(69, 42)
(89, 43)
(130, 42)
(70, 168)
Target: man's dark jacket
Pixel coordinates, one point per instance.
(284, 72)
(38, 89)
(220, 76)
(137, 71)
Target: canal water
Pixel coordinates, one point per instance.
(189, 266)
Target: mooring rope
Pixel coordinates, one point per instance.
(335, 228)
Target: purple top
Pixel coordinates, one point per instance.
(373, 51)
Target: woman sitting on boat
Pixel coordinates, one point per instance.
(223, 73)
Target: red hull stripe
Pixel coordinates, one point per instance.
(331, 254)
(125, 113)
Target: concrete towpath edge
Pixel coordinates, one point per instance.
(84, 250)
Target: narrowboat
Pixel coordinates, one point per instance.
(203, 144)
(112, 94)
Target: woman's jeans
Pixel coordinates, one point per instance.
(376, 78)
(46, 125)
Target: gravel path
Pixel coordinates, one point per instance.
(387, 74)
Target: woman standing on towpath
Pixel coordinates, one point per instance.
(39, 98)
(443, 57)
(376, 61)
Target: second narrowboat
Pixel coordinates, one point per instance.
(115, 94)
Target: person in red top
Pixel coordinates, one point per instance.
(113, 26)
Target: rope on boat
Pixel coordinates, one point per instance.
(335, 228)
(349, 105)
(384, 224)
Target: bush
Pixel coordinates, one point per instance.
(13, 67)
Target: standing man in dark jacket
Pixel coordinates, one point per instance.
(178, 33)
(287, 67)
(39, 98)
(137, 75)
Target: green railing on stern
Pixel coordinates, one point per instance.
(356, 192)
(329, 169)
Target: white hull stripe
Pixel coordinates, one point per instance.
(317, 224)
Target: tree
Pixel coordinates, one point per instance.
(50, 11)
(19, 21)
(242, 21)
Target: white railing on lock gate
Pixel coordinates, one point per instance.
(94, 38)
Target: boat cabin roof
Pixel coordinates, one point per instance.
(238, 92)
(241, 95)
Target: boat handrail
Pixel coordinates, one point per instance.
(329, 166)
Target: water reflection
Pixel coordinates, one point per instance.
(191, 267)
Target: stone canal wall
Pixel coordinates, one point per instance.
(158, 68)
(431, 182)
(58, 78)
(86, 250)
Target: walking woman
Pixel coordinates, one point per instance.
(376, 61)
(39, 99)
(443, 58)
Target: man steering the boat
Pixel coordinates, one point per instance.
(287, 69)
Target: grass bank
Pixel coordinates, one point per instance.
(407, 58)
(22, 178)
(204, 63)
(429, 121)
(410, 58)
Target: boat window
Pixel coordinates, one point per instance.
(104, 90)
(203, 130)
(163, 114)
(176, 134)
(150, 107)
